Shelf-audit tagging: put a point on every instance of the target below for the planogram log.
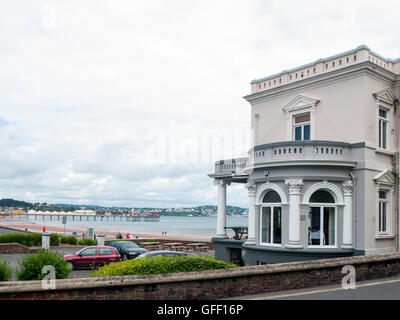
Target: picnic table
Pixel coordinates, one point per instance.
(150, 244)
(196, 246)
(174, 245)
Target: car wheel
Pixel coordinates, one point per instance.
(71, 265)
(124, 257)
(111, 262)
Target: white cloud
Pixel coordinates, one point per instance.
(89, 90)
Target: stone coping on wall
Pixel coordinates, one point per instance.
(97, 283)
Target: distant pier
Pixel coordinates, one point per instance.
(73, 217)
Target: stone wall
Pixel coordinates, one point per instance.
(10, 248)
(209, 284)
(210, 244)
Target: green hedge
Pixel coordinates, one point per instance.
(68, 240)
(87, 242)
(28, 239)
(30, 268)
(161, 265)
(5, 271)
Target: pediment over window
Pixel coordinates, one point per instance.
(386, 95)
(385, 177)
(300, 102)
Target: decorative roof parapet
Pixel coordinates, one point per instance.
(360, 54)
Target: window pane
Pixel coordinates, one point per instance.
(380, 133)
(384, 125)
(302, 118)
(382, 194)
(382, 113)
(382, 216)
(307, 132)
(314, 226)
(298, 133)
(322, 196)
(89, 252)
(277, 229)
(266, 225)
(272, 197)
(329, 227)
(105, 252)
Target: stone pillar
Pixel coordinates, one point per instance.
(348, 215)
(295, 186)
(251, 237)
(45, 241)
(221, 214)
(101, 239)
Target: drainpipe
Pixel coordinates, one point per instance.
(354, 180)
(396, 163)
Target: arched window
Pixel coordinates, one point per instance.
(322, 196)
(271, 219)
(272, 197)
(322, 219)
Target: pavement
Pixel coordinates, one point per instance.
(378, 289)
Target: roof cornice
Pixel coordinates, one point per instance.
(356, 70)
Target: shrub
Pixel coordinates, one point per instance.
(161, 265)
(87, 242)
(68, 240)
(54, 240)
(28, 239)
(5, 271)
(30, 268)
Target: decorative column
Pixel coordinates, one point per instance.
(348, 215)
(251, 236)
(221, 213)
(295, 186)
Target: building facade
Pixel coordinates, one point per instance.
(322, 174)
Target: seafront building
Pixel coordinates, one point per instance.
(322, 174)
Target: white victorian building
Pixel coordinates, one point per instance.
(322, 176)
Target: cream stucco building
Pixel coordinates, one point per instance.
(322, 174)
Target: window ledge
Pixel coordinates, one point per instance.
(384, 236)
(384, 151)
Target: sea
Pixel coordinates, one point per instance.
(202, 226)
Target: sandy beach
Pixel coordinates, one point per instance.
(108, 234)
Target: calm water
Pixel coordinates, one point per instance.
(185, 226)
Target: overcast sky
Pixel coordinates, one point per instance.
(130, 103)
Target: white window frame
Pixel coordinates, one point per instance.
(380, 129)
(302, 124)
(300, 105)
(389, 214)
(384, 101)
(322, 206)
(271, 206)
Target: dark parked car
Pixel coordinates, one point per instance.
(127, 249)
(163, 253)
(93, 256)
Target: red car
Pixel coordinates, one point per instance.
(91, 257)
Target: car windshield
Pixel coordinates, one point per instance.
(128, 245)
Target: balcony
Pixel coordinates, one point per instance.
(288, 153)
(304, 152)
(233, 169)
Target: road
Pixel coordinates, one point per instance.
(379, 289)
